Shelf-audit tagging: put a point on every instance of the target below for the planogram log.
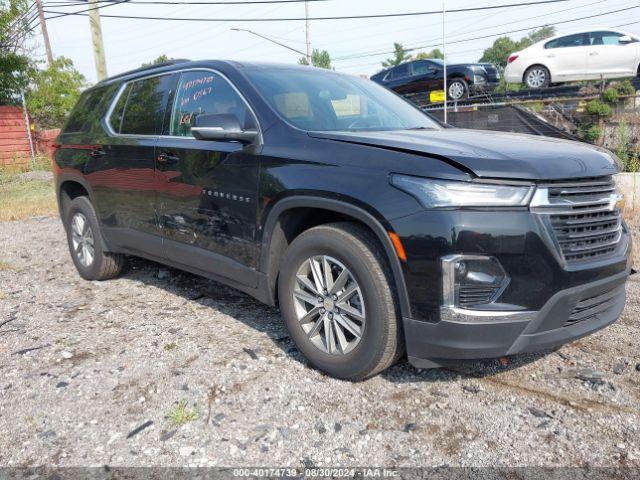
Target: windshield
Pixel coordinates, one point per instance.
(327, 101)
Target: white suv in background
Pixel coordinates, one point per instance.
(592, 55)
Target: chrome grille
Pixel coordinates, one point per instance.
(583, 217)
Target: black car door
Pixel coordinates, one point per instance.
(427, 76)
(207, 200)
(125, 187)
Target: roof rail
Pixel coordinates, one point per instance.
(145, 68)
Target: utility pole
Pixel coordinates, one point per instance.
(45, 33)
(307, 34)
(96, 37)
(444, 55)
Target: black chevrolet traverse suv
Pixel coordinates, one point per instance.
(376, 229)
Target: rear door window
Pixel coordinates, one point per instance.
(205, 92)
(144, 106)
(577, 40)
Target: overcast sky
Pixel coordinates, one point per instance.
(129, 42)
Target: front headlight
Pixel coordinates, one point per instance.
(445, 193)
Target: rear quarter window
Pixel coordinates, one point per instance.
(89, 110)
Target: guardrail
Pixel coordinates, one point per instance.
(558, 93)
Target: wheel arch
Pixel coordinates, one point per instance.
(70, 187)
(275, 237)
(537, 64)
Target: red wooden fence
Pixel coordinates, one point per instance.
(14, 140)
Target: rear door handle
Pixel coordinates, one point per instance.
(593, 53)
(97, 153)
(168, 159)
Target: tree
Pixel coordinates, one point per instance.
(399, 56)
(161, 59)
(503, 47)
(435, 53)
(53, 92)
(14, 66)
(319, 58)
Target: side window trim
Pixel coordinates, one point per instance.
(179, 73)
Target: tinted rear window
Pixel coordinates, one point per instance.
(145, 105)
(576, 40)
(90, 108)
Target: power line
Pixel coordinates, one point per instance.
(460, 31)
(111, 3)
(297, 19)
(350, 57)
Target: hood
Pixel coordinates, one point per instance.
(488, 154)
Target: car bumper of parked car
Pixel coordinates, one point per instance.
(513, 74)
(466, 334)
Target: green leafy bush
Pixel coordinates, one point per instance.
(53, 93)
(625, 88)
(601, 109)
(590, 133)
(633, 163)
(610, 95)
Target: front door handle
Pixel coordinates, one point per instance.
(593, 53)
(168, 159)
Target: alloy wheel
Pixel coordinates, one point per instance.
(82, 239)
(456, 90)
(329, 305)
(536, 78)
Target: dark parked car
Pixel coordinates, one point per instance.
(422, 76)
(374, 228)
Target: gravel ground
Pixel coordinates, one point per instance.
(102, 374)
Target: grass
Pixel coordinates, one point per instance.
(180, 414)
(170, 346)
(633, 221)
(24, 194)
(5, 266)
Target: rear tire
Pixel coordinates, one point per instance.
(537, 77)
(355, 331)
(85, 243)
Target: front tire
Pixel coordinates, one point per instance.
(457, 89)
(537, 77)
(85, 245)
(336, 298)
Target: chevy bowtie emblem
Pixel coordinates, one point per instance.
(616, 202)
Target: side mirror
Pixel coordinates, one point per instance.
(223, 127)
(625, 39)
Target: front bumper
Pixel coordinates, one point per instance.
(431, 344)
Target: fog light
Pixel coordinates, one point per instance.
(472, 281)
